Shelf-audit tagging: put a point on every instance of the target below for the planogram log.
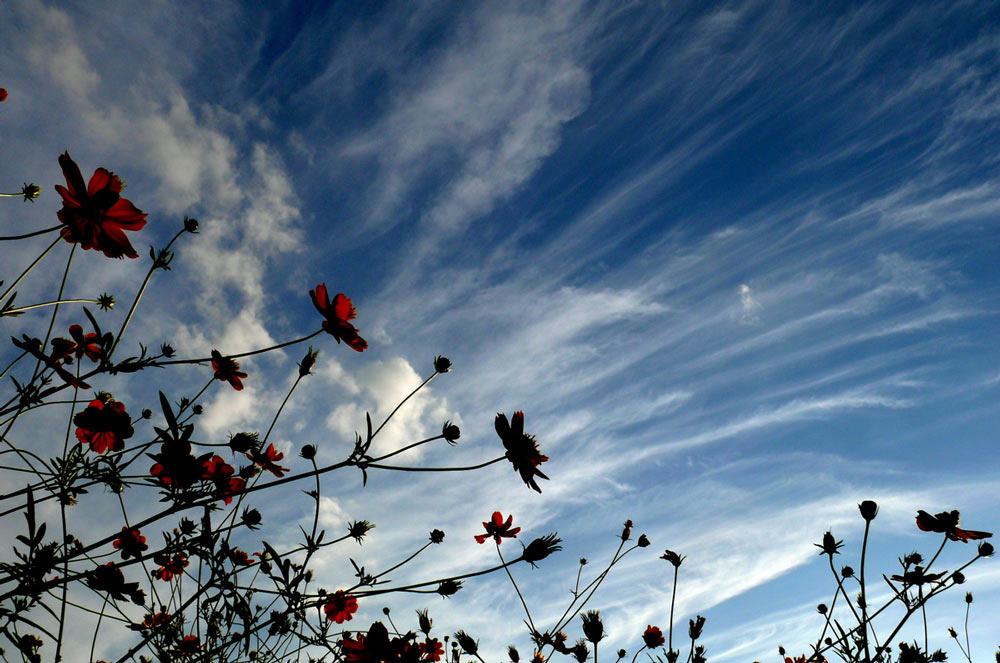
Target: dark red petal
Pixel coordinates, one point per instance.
(101, 179)
(502, 426)
(342, 308)
(517, 423)
(74, 179)
(320, 299)
(126, 215)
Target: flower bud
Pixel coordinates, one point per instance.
(672, 557)
(621, 653)
(513, 654)
(468, 645)
(425, 622)
(968, 597)
(958, 577)
(985, 549)
(30, 191)
(593, 627)
(450, 432)
(830, 545)
(308, 362)
(190, 225)
(147, 413)
(197, 408)
(167, 350)
(847, 572)
(437, 536)
(695, 626)
(448, 587)
(308, 452)
(643, 542)
(869, 509)
(251, 518)
(541, 548)
(821, 608)
(627, 530)
(442, 364)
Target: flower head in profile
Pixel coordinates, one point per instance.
(946, 523)
(219, 472)
(338, 313)
(95, 216)
(522, 449)
(653, 637)
(104, 425)
(268, 460)
(109, 578)
(170, 567)
(341, 607)
(227, 370)
(498, 528)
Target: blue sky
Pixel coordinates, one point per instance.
(736, 262)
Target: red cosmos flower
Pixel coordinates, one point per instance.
(240, 558)
(109, 578)
(188, 645)
(170, 566)
(154, 620)
(946, 523)
(498, 528)
(227, 370)
(219, 472)
(432, 649)
(96, 216)
(371, 648)
(341, 607)
(522, 449)
(3, 94)
(175, 466)
(338, 314)
(268, 460)
(653, 636)
(130, 542)
(82, 344)
(103, 425)
(33, 346)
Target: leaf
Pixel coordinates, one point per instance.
(168, 414)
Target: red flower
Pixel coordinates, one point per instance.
(130, 542)
(432, 649)
(341, 607)
(268, 460)
(338, 314)
(497, 528)
(33, 346)
(946, 523)
(188, 645)
(371, 648)
(170, 566)
(82, 344)
(154, 620)
(653, 636)
(109, 578)
(240, 558)
(522, 449)
(175, 465)
(97, 216)
(227, 370)
(219, 472)
(3, 94)
(103, 425)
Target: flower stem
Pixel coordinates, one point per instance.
(28, 269)
(56, 302)
(396, 409)
(531, 623)
(27, 235)
(864, 597)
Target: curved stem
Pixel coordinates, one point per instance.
(22, 309)
(29, 268)
(27, 235)
(531, 623)
(396, 409)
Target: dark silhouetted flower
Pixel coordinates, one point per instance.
(868, 509)
(96, 216)
(189, 645)
(442, 364)
(522, 449)
(341, 607)
(30, 192)
(653, 637)
(104, 425)
(33, 346)
(424, 621)
(359, 528)
(468, 645)
(240, 557)
(593, 627)
(513, 654)
(190, 225)
(672, 557)
(155, 620)
(830, 545)
(946, 523)
(847, 572)
(227, 370)
(642, 542)
(917, 576)
(109, 578)
(243, 442)
(449, 587)
(695, 626)
(170, 567)
(985, 549)
(450, 432)
(437, 536)
(540, 548)
(106, 302)
(130, 542)
(338, 314)
(268, 460)
(498, 529)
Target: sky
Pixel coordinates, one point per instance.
(732, 260)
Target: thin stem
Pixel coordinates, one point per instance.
(239, 355)
(531, 623)
(396, 409)
(673, 598)
(28, 269)
(864, 597)
(27, 235)
(435, 469)
(22, 309)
